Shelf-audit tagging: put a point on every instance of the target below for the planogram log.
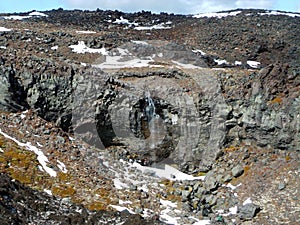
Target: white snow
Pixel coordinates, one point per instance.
(140, 42)
(202, 222)
(238, 63)
(253, 64)
(16, 17)
(3, 29)
(62, 166)
(49, 192)
(32, 14)
(247, 201)
(40, 155)
(81, 48)
(2, 47)
(200, 51)
(117, 62)
(169, 172)
(125, 21)
(119, 185)
(221, 61)
(218, 15)
(232, 187)
(185, 66)
(276, 13)
(154, 27)
(37, 14)
(85, 32)
(54, 48)
(1, 150)
(121, 208)
(167, 203)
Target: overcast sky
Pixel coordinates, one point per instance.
(171, 6)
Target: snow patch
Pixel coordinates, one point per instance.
(38, 14)
(3, 29)
(125, 21)
(185, 66)
(169, 172)
(154, 27)
(140, 42)
(62, 166)
(238, 63)
(276, 13)
(2, 47)
(16, 17)
(232, 187)
(218, 14)
(49, 192)
(81, 48)
(253, 64)
(247, 201)
(40, 155)
(200, 51)
(54, 48)
(221, 61)
(121, 208)
(85, 32)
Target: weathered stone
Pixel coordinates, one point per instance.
(248, 211)
(237, 171)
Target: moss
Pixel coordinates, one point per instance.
(64, 176)
(277, 100)
(231, 149)
(63, 190)
(97, 206)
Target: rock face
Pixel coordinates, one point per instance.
(156, 89)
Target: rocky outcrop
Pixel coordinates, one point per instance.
(22, 205)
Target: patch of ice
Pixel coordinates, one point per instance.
(3, 29)
(247, 201)
(85, 32)
(140, 42)
(276, 13)
(169, 172)
(54, 48)
(81, 48)
(37, 14)
(40, 155)
(121, 208)
(218, 15)
(253, 64)
(62, 166)
(49, 192)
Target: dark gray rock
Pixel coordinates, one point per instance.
(248, 211)
(237, 171)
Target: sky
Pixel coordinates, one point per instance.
(170, 6)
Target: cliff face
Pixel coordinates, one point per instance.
(200, 94)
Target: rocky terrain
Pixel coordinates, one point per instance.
(115, 118)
